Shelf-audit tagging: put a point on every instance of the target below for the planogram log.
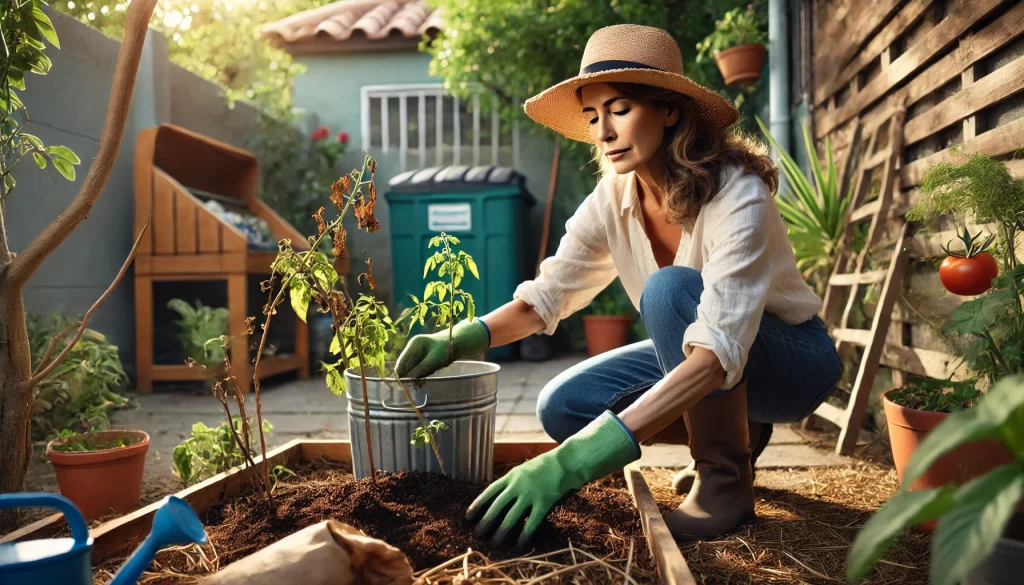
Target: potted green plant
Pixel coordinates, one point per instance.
(609, 320)
(976, 539)
(737, 45)
(992, 323)
(101, 472)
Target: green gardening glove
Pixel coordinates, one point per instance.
(426, 354)
(533, 488)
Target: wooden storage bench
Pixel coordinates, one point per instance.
(177, 174)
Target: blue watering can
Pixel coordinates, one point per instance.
(68, 561)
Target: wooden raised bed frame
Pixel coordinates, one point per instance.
(117, 536)
(186, 242)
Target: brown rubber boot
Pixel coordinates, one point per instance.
(722, 498)
(673, 434)
(683, 480)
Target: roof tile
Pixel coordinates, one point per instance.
(374, 19)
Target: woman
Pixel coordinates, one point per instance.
(684, 216)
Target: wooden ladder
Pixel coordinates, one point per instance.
(873, 340)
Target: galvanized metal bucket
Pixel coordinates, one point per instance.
(463, 395)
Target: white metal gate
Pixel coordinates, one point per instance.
(437, 135)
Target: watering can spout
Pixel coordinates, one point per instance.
(174, 524)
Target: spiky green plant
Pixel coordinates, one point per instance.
(814, 212)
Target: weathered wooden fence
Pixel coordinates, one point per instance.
(957, 66)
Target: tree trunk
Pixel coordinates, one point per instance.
(15, 400)
(16, 391)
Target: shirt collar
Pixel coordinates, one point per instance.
(629, 193)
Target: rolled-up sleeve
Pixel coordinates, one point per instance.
(580, 269)
(736, 278)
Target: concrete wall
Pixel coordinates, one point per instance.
(68, 107)
(330, 89)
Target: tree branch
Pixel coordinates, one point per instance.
(53, 346)
(42, 374)
(125, 72)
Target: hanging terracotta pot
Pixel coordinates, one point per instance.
(909, 426)
(606, 332)
(742, 64)
(101, 480)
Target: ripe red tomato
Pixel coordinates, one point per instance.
(968, 276)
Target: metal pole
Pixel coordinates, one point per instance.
(778, 67)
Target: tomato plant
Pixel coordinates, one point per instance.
(969, 272)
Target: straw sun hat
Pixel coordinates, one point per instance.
(628, 53)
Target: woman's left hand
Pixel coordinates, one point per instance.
(533, 488)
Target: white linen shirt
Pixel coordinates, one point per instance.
(738, 242)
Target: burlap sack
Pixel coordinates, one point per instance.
(328, 553)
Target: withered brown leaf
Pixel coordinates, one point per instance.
(339, 241)
(338, 190)
(321, 225)
(369, 274)
(364, 210)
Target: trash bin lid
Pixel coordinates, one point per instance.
(456, 178)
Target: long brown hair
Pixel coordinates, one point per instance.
(696, 153)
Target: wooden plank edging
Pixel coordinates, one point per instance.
(671, 564)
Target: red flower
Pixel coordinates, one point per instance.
(320, 133)
(343, 137)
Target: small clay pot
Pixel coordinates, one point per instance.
(102, 481)
(909, 426)
(742, 64)
(606, 332)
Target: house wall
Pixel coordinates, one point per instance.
(68, 107)
(330, 90)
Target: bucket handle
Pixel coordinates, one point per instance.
(75, 520)
(405, 401)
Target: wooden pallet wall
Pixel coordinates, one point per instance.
(958, 68)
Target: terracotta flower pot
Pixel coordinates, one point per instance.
(909, 426)
(742, 64)
(105, 480)
(606, 332)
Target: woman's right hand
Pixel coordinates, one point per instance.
(428, 353)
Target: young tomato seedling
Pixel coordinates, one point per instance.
(451, 301)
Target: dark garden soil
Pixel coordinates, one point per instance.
(420, 514)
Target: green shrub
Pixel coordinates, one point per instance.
(209, 451)
(78, 394)
(199, 331)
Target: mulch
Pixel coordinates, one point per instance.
(421, 514)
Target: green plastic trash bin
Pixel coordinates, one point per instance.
(486, 208)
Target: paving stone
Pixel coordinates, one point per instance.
(522, 423)
(499, 423)
(525, 406)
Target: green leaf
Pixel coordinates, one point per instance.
(335, 380)
(471, 306)
(904, 510)
(40, 160)
(45, 25)
(468, 260)
(64, 153)
(973, 317)
(335, 348)
(183, 461)
(33, 139)
(968, 533)
(301, 295)
(1003, 404)
(64, 168)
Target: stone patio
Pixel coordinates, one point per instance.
(306, 409)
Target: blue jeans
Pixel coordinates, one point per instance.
(790, 369)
